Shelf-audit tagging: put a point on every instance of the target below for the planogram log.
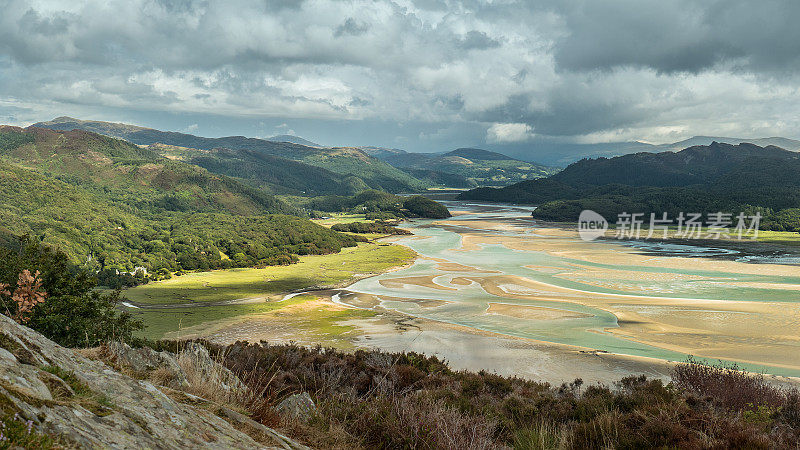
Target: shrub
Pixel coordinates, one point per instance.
(727, 385)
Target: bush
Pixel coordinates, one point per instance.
(729, 386)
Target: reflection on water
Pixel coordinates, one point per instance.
(467, 302)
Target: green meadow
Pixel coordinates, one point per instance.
(270, 283)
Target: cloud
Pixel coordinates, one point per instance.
(351, 27)
(581, 70)
(285, 129)
(681, 35)
(508, 132)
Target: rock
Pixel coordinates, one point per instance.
(197, 364)
(145, 359)
(102, 408)
(298, 406)
(192, 364)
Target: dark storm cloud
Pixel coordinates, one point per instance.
(477, 40)
(352, 27)
(681, 35)
(581, 69)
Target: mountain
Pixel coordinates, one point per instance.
(476, 154)
(344, 161)
(693, 165)
(437, 178)
(473, 167)
(270, 173)
(130, 174)
(381, 152)
(111, 205)
(293, 139)
(787, 144)
(711, 178)
(556, 153)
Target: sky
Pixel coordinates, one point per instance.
(421, 75)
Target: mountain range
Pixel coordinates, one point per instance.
(342, 170)
(351, 166)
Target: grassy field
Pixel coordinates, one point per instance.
(270, 284)
(273, 281)
(321, 323)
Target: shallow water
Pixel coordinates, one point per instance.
(467, 304)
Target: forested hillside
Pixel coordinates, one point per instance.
(112, 205)
(267, 172)
(707, 179)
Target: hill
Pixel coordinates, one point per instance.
(472, 166)
(129, 174)
(476, 154)
(344, 161)
(112, 205)
(717, 177)
(693, 165)
(293, 139)
(270, 173)
(379, 205)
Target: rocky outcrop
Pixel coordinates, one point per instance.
(88, 404)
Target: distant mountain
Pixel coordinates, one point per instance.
(381, 152)
(344, 161)
(476, 154)
(129, 174)
(784, 143)
(474, 167)
(693, 165)
(293, 139)
(273, 174)
(564, 153)
(445, 179)
(716, 177)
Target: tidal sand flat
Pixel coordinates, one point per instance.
(610, 297)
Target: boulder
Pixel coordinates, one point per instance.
(145, 359)
(298, 406)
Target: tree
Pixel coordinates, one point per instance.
(74, 315)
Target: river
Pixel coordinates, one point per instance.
(493, 268)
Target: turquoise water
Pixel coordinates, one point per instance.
(468, 304)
